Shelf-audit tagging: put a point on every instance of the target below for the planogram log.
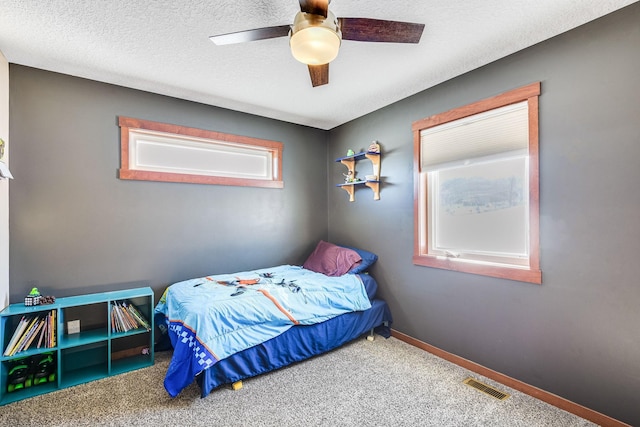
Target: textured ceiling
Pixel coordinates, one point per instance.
(162, 46)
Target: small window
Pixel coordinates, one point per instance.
(476, 202)
(153, 151)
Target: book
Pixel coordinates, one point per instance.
(131, 322)
(119, 321)
(18, 345)
(53, 328)
(44, 330)
(113, 321)
(126, 317)
(139, 317)
(34, 334)
(47, 342)
(16, 335)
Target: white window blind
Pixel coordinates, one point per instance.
(455, 143)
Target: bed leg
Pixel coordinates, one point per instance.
(371, 335)
(237, 385)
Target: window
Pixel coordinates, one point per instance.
(153, 151)
(476, 198)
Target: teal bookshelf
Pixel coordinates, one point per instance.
(98, 350)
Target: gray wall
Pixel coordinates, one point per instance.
(75, 227)
(576, 335)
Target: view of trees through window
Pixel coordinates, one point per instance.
(475, 201)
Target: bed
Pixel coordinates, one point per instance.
(228, 327)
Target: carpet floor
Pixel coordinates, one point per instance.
(381, 383)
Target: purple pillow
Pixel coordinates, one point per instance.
(331, 260)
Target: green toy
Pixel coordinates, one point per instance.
(19, 376)
(44, 369)
(31, 371)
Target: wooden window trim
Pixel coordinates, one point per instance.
(125, 172)
(530, 274)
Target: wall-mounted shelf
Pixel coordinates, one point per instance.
(350, 163)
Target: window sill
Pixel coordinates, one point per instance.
(521, 274)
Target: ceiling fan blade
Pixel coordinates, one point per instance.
(378, 30)
(319, 74)
(316, 7)
(251, 35)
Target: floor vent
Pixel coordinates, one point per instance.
(486, 389)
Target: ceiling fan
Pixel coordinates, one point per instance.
(316, 34)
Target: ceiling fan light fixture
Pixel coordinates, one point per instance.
(315, 40)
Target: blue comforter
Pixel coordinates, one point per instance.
(211, 318)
